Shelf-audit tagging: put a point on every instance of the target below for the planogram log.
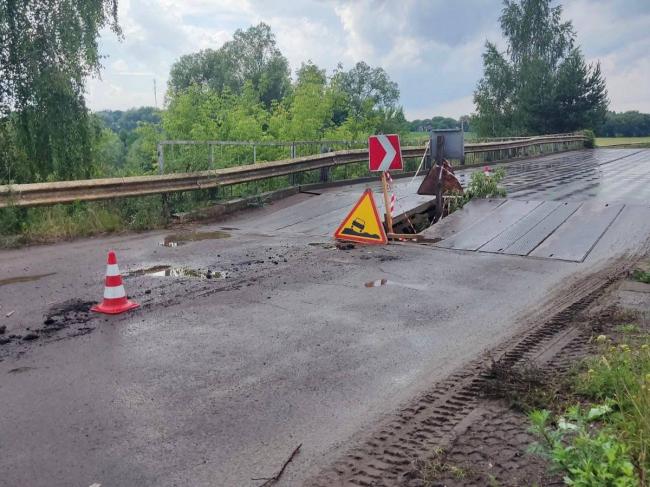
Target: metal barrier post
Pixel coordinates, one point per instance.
(161, 159)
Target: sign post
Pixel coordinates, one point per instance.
(385, 154)
(389, 216)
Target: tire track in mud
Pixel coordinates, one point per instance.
(437, 417)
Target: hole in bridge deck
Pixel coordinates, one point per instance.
(415, 220)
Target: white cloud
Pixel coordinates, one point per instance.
(432, 48)
(301, 39)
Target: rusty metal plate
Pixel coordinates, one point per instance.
(575, 238)
(527, 243)
(462, 219)
(521, 228)
(490, 225)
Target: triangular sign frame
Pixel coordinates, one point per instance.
(343, 232)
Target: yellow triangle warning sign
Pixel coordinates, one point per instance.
(363, 224)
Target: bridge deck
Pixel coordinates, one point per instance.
(577, 199)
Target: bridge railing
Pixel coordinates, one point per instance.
(344, 164)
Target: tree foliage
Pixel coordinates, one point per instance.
(242, 91)
(251, 56)
(124, 122)
(541, 83)
(625, 124)
(436, 123)
(47, 51)
(365, 87)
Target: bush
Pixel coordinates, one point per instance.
(641, 276)
(482, 185)
(62, 222)
(608, 445)
(622, 374)
(588, 457)
(590, 143)
(11, 220)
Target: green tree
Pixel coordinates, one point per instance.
(47, 50)
(307, 112)
(124, 122)
(141, 157)
(251, 56)
(366, 88)
(310, 73)
(541, 84)
(434, 123)
(109, 150)
(205, 114)
(625, 124)
(365, 101)
(205, 68)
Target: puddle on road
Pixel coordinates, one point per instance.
(176, 239)
(386, 282)
(18, 279)
(176, 271)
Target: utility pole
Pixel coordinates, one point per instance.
(155, 94)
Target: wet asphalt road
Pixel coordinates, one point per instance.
(215, 381)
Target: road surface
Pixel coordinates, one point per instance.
(215, 381)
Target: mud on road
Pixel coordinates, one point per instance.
(462, 433)
(157, 286)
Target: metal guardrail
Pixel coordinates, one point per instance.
(35, 194)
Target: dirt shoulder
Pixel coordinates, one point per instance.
(473, 428)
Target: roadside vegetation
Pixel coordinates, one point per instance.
(603, 438)
(641, 276)
(482, 184)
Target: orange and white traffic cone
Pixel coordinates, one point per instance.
(115, 301)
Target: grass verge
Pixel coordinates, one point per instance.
(615, 141)
(604, 437)
(20, 226)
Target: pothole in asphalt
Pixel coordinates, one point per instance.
(176, 239)
(178, 271)
(18, 279)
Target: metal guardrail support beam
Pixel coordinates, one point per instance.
(35, 194)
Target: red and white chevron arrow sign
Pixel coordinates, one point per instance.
(384, 153)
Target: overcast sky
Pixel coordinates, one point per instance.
(432, 48)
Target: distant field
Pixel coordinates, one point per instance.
(421, 138)
(605, 141)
